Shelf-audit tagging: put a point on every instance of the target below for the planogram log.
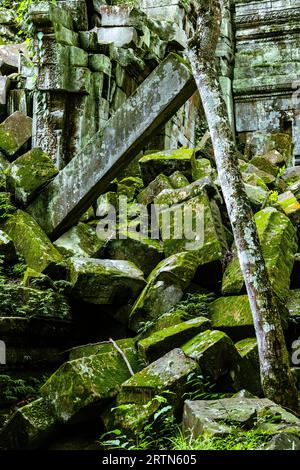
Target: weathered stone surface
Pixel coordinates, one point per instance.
(82, 386)
(120, 36)
(260, 143)
(178, 180)
(279, 245)
(166, 162)
(245, 373)
(144, 252)
(132, 418)
(264, 165)
(29, 173)
(32, 243)
(80, 240)
(221, 417)
(257, 196)
(289, 204)
(293, 302)
(25, 331)
(213, 351)
(160, 342)
(7, 248)
(170, 372)
(147, 195)
(165, 288)
(29, 427)
(284, 441)
(233, 315)
(206, 238)
(291, 175)
(126, 345)
(275, 158)
(105, 281)
(202, 168)
(87, 175)
(248, 168)
(10, 58)
(20, 301)
(15, 131)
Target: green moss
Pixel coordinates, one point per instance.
(160, 342)
(32, 243)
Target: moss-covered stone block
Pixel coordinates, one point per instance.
(254, 180)
(147, 195)
(205, 237)
(127, 346)
(21, 301)
(214, 351)
(256, 195)
(246, 373)
(178, 180)
(278, 240)
(29, 427)
(289, 204)
(227, 415)
(85, 385)
(15, 131)
(7, 248)
(160, 342)
(165, 288)
(29, 173)
(291, 175)
(32, 243)
(261, 142)
(80, 240)
(130, 417)
(169, 373)
(202, 168)
(264, 165)
(233, 315)
(144, 252)
(249, 169)
(105, 282)
(166, 162)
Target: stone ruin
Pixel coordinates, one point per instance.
(107, 107)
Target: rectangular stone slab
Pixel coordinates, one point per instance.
(88, 174)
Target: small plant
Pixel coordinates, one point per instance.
(154, 435)
(236, 440)
(194, 305)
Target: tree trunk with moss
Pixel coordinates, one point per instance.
(276, 376)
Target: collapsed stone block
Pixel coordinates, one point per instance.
(29, 173)
(29, 427)
(160, 342)
(80, 240)
(222, 417)
(279, 244)
(144, 252)
(165, 288)
(233, 315)
(105, 282)
(289, 204)
(246, 373)
(170, 372)
(32, 243)
(166, 162)
(15, 131)
(214, 351)
(85, 385)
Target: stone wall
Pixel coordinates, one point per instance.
(267, 68)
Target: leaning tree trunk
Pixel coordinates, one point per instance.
(276, 376)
